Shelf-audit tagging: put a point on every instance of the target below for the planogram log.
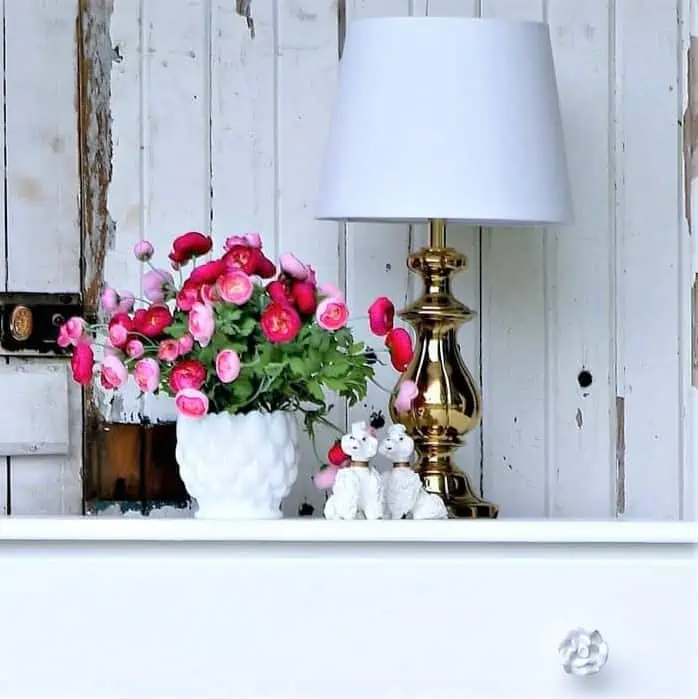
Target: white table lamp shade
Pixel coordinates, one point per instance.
(446, 118)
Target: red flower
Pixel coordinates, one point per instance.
(399, 342)
(303, 294)
(336, 456)
(187, 296)
(189, 245)
(82, 363)
(280, 323)
(380, 316)
(265, 269)
(120, 325)
(155, 320)
(279, 293)
(207, 273)
(243, 257)
(189, 373)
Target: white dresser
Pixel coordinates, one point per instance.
(308, 609)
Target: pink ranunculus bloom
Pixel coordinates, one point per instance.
(186, 343)
(324, 479)
(168, 350)
(330, 291)
(126, 301)
(406, 394)
(134, 348)
(381, 314)
(235, 287)
(227, 365)
(118, 335)
(252, 240)
(143, 250)
(292, 266)
(191, 403)
(332, 314)
(209, 293)
(147, 375)
(113, 373)
(201, 323)
(109, 300)
(82, 363)
(158, 285)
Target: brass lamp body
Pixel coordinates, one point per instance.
(448, 406)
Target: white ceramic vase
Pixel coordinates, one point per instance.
(238, 466)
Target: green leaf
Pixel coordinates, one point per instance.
(298, 366)
(315, 391)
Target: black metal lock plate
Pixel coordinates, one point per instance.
(29, 322)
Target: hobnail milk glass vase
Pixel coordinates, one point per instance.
(238, 466)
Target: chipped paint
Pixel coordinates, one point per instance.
(341, 25)
(620, 456)
(244, 9)
(579, 418)
(690, 129)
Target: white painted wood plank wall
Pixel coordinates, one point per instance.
(216, 130)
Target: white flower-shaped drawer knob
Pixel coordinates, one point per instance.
(583, 652)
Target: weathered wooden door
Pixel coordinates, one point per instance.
(40, 410)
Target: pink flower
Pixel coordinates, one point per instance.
(324, 479)
(227, 365)
(380, 316)
(406, 394)
(186, 343)
(332, 314)
(158, 285)
(188, 295)
(109, 300)
(114, 373)
(235, 287)
(252, 240)
(280, 323)
(399, 343)
(82, 363)
(71, 332)
(168, 350)
(126, 301)
(118, 335)
(191, 403)
(190, 373)
(292, 266)
(209, 293)
(201, 323)
(147, 375)
(134, 348)
(143, 250)
(330, 291)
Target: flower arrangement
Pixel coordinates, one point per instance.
(233, 334)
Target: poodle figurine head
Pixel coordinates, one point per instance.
(397, 445)
(361, 444)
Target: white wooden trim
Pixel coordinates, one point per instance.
(71, 529)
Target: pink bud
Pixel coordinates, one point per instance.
(292, 266)
(227, 365)
(109, 300)
(143, 250)
(147, 375)
(186, 343)
(134, 348)
(168, 350)
(325, 477)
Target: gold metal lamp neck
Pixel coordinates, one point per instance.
(437, 233)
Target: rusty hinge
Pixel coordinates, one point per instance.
(29, 321)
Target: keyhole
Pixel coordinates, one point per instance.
(585, 378)
(57, 319)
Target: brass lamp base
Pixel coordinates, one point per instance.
(448, 405)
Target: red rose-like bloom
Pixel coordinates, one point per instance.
(381, 314)
(280, 323)
(279, 293)
(243, 257)
(190, 245)
(155, 320)
(265, 269)
(336, 456)
(399, 342)
(82, 363)
(187, 296)
(207, 274)
(303, 294)
(190, 373)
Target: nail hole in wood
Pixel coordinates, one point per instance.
(585, 378)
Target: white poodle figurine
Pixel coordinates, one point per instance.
(404, 494)
(358, 489)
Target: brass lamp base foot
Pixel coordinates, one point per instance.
(461, 501)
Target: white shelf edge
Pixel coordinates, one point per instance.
(77, 529)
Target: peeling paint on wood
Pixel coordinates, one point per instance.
(620, 456)
(244, 9)
(690, 128)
